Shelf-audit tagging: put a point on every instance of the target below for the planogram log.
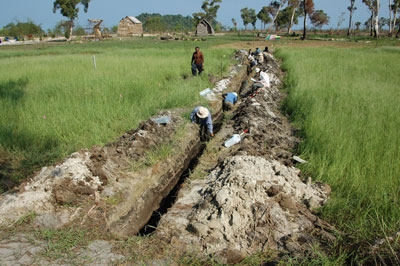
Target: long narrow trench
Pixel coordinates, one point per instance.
(169, 200)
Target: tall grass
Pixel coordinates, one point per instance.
(54, 102)
(347, 105)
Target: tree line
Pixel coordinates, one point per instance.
(285, 14)
(278, 14)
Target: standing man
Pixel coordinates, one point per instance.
(197, 62)
(202, 117)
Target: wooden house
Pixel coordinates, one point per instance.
(130, 26)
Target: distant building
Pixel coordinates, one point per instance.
(130, 26)
(204, 28)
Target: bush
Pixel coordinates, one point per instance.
(21, 29)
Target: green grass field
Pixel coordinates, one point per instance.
(53, 102)
(346, 103)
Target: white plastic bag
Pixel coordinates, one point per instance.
(265, 79)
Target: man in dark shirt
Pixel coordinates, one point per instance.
(197, 62)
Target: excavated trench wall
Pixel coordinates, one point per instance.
(118, 186)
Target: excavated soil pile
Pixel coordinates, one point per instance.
(246, 205)
(270, 133)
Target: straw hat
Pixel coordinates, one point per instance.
(202, 112)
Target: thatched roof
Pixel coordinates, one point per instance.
(204, 28)
(134, 20)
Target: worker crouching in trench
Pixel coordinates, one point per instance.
(229, 100)
(202, 116)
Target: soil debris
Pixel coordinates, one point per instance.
(245, 205)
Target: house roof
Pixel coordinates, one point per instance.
(134, 20)
(204, 21)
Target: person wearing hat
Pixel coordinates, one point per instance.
(229, 99)
(202, 116)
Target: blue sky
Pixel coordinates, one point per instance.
(41, 11)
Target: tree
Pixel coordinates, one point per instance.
(284, 18)
(245, 15)
(155, 24)
(373, 6)
(171, 22)
(398, 32)
(79, 31)
(358, 24)
(351, 9)
(114, 29)
(21, 29)
(279, 6)
(393, 8)
(234, 24)
(252, 17)
(383, 22)
(61, 28)
(264, 17)
(319, 18)
(308, 8)
(210, 9)
(69, 9)
(294, 4)
(368, 26)
(340, 21)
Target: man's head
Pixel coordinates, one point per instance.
(197, 49)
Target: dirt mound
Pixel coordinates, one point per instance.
(246, 205)
(59, 194)
(270, 132)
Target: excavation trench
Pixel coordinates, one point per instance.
(195, 155)
(169, 200)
